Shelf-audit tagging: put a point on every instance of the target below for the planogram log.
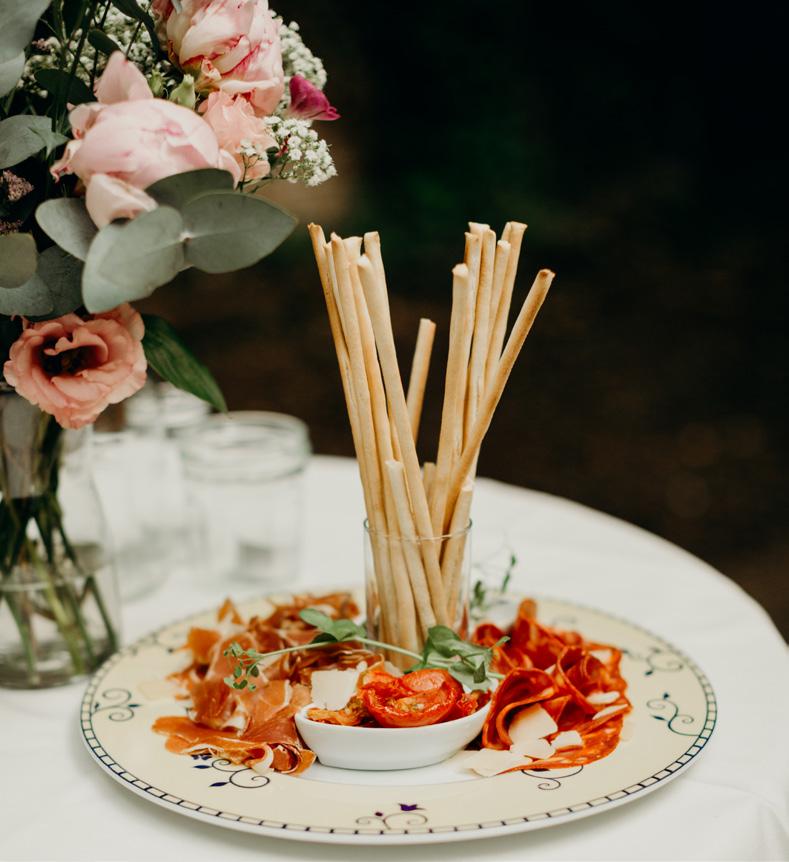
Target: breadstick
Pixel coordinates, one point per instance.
(428, 472)
(397, 483)
(481, 341)
(339, 270)
(419, 368)
(399, 591)
(520, 330)
(370, 271)
(513, 233)
(452, 562)
(450, 442)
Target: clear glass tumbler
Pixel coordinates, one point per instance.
(243, 473)
(399, 602)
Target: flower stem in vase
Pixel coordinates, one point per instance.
(58, 623)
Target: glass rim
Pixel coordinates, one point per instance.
(370, 531)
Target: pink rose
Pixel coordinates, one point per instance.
(128, 140)
(228, 45)
(240, 131)
(73, 367)
(308, 102)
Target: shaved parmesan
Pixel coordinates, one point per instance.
(332, 689)
(628, 726)
(238, 720)
(531, 723)
(264, 764)
(602, 655)
(158, 689)
(537, 748)
(488, 761)
(599, 698)
(568, 739)
(610, 710)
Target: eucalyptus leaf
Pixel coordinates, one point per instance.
(23, 136)
(227, 231)
(171, 359)
(53, 290)
(19, 18)
(66, 222)
(18, 259)
(61, 86)
(128, 261)
(62, 273)
(10, 73)
(102, 42)
(178, 189)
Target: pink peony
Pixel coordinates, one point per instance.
(308, 102)
(128, 140)
(228, 45)
(238, 129)
(73, 367)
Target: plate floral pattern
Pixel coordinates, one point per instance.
(674, 713)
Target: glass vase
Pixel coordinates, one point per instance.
(394, 575)
(58, 595)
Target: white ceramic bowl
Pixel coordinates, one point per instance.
(388, 747)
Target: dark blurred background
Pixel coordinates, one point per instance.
(642, 147)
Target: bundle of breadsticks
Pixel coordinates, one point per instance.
(418, 516)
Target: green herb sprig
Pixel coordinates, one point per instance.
(468, 663)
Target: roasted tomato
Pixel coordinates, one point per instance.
(413, 700)
(467, 703)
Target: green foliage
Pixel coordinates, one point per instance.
(332, 631)
(18, 259)
(229, 231)
(178, 189)
(53, 290)
(102, 42)
(171, 359)
(63, 87)
(468, 663)
(196, 224)
(128, 261)
(18, 19)
(62, 274)
(483, 598)
(24, 136)
(66, 222)
(10, 72)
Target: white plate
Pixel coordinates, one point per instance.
(673, 716)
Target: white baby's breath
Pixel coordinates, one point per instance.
(303, 155)
(297, 59)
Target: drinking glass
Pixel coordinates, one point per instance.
(243, 473)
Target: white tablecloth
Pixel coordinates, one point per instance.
(734, 804)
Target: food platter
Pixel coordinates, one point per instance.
(673, 717)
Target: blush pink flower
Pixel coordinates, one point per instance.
(228, 45)
(240, 131)
(73, 367)
(128, 140)
(308, 102)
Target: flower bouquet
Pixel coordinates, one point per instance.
(133, 138)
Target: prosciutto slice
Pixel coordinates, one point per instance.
(254, 727)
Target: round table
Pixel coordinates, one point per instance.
(734, 804)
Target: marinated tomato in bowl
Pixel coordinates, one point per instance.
(415, 699)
